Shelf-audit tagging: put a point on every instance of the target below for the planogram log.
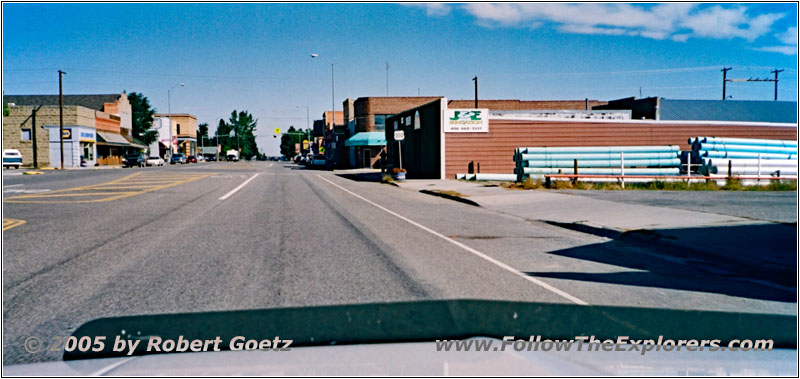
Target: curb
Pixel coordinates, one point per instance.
(451, 197)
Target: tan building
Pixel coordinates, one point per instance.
(112, 119)
(184, 132)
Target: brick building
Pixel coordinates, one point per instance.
(184, 133)
(112, 125)
(369, 114)
(431, 152)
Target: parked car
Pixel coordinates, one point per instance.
(191, 159)
(177, 158)
(155, 161)
(211, 158)
(135, 159)
(12, 158)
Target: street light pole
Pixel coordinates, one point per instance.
(333, 97)
(61, 117)
(169, 115)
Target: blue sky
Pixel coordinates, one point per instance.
(257, 56)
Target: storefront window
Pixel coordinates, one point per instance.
(88, 150)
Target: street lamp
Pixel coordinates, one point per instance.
(169, 115)
(333, 97)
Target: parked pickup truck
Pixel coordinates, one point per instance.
(12, 158)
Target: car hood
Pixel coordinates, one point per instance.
(398, 338)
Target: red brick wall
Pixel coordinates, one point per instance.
(366, 107)
(495, 150)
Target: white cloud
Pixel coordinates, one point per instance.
(788, 37)
(432, 9)
(676, 21)
(719, 22)
(788, 50)
(680, 37)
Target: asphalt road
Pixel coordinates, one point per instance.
(222, 236)
(780, 206)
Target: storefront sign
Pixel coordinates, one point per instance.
(67, 133)
(466, 121)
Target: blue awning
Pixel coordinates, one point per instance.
(367, 139)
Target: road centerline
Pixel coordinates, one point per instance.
(496, 262)
(233, 191)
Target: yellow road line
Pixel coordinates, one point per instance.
(9, 223)
(103, 186)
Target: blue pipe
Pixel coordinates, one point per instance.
(672, 162)
(748, 141)
(597, 156)
(599, 149)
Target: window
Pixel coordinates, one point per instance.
(26, 134)
(380, 121)
(179, 129)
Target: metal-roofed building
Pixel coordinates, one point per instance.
(659, 108)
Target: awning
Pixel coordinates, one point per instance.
(367, 139)
(105, 138)
(138, 144)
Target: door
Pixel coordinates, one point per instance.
(367, 156)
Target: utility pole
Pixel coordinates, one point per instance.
(475, 79)
(61, 117)
(387, 78)
(725, 79)
(776, 71)
(32, 117)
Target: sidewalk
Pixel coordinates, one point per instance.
(752, 245)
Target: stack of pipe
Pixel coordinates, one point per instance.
(745, 157)
(487, 176)
(535, 162)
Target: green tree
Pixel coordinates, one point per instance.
(6, 111)
(142, 118)
(244, 126)
(202, 134)
(290, 138)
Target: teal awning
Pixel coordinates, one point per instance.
(367, 139)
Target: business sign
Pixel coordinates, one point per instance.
(67, 133)
(399, 135)
(466, 121)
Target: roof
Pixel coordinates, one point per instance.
(96, 102)
(175, 115)
(728, 110)
(367, 139)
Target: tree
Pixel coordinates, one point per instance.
(202, 133)
(142, 118)
(292, 137)
(244, 126)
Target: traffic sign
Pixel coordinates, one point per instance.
(399, 135)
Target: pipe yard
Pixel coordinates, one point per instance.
(748, 160)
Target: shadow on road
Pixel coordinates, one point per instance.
(752, 261)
